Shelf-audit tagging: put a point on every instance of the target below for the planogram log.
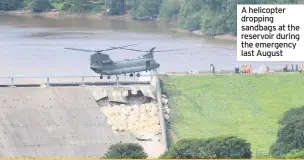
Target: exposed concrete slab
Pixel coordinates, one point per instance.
(54, 122)
(119, 93)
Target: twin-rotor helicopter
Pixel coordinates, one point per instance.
(102, 64)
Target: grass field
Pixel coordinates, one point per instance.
(248, 106)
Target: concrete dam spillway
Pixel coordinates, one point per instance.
(79, 121)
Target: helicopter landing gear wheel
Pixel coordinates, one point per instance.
(101, 77)
(108, 77)
(131, 75)
(138, 75)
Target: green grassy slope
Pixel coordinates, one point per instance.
(248, 106)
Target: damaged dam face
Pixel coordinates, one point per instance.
(133, 110)
(140, 115)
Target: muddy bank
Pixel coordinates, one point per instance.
(58, 14)
(199, 33)
(226, 37)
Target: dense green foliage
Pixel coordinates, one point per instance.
(8, 5)
(219, 147)
(290, 135)
(215, 16)
(294, 154)
(209, 16)
(116, 7)
(126, 150)
(170, 9)
(40, 5)
(145, 9)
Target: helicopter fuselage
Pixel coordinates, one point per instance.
(102, 64)
(105, 66)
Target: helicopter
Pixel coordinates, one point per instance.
(102, 64)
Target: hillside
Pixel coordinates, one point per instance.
(203, 17)
(248, 106)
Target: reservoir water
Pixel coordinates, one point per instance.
(34, 46)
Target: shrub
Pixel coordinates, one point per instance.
(170, 9)
(130, 4)
(214, 23)
(10, 4)
(66, 6)
(145, 9)
(98, 9)
(292, 115)
(190, 9)
(126, 150)
(40, 5)
(290, 134)
(117, 7)
(164, 155)
(219, 147)
(295, 154)
(187, 148)
(193, 21)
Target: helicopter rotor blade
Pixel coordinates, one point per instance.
(128, 45)
(169, 50)
(152, 50)
(84, 50)
(87, 50)
(112, 48)
(133, 50)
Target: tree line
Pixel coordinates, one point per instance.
(76, 6)
(218, 147)
(211, 17)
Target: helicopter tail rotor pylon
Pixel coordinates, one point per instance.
(152, 50)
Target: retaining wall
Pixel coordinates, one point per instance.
(164, 139)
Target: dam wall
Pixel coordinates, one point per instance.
(75, 121)
(53, 122)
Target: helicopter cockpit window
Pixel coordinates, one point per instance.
(148, 63)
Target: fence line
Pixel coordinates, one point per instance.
(64, 76)
(65, 81)
(262, 154)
